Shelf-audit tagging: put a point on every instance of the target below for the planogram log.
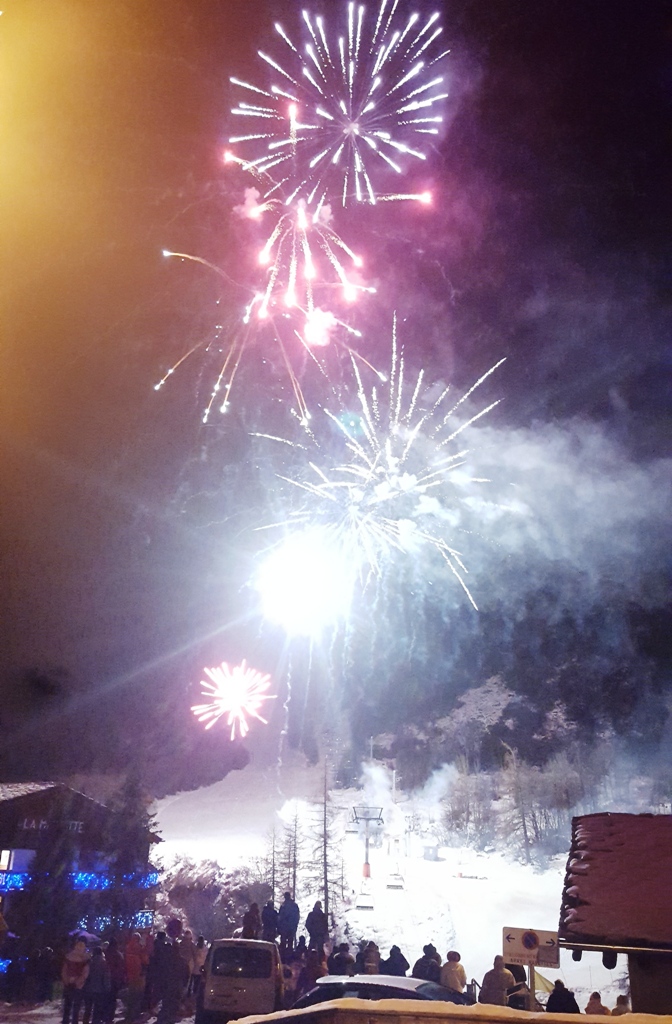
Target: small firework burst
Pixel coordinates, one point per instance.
(236, 692)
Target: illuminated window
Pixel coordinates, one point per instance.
(4, 859)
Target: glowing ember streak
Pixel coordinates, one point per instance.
(235, 692)
(302, 253)
(345, 103)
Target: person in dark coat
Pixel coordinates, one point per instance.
(371, 958)
(427, 967)
(252, 922)
(156, 971)
(48, 974)
(172, 980)
(97, 986)
(519, 996)
(314, 968)
(561, 1000)
(317, 927)
(396, 963)
(341, 961)
(288, 921)
(269, 922)
(117, 966)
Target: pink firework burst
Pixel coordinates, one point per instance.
(236, 692)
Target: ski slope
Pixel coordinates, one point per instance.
(462, 900)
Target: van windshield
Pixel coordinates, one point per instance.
(241, 962)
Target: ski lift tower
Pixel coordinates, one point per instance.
(365, 816)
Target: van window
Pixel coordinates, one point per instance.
(242, 962)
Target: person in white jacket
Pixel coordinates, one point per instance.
(453, 974)
(496, 983)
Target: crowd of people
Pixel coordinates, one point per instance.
(306, 961)
(160, 974)
(140, 975)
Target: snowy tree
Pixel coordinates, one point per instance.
(518, 784)
(325, 874)
(268, 867)
(469, 810)
(210, 900)
(292, 854)
(479, 710)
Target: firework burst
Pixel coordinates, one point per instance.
(236, 692)
(398, 488)
(348, 102)
(305, 261)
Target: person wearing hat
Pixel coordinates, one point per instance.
(396, 964)
(453, 974)
(496, 983)
(428, 966)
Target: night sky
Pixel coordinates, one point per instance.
(124, 522)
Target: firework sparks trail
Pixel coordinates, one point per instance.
(236, 692)
(395, 492)
(346, 103)
(288, 317)
(294, 264)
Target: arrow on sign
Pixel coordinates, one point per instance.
(510, 938)
(550, 942)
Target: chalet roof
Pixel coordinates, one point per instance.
(618, 884)
(10, 790)
(19, 790)
(14, 795)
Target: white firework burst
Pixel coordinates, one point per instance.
(345, 103)
(395, 491)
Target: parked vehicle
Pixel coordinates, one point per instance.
(239, 977)
(377, 986)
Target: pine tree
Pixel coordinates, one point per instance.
(267, 867)
(292, 846)
(212, 900)
(49, 907)
(521, 818)
(127, 845)
(327, 875)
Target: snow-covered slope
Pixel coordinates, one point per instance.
(462, 900)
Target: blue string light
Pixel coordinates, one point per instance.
(11, 881)
(142, 919)
(84, 881)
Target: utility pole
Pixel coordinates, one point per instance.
(325, 838)
(273, 865)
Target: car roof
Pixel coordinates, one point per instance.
(253, 943)
(389, 980)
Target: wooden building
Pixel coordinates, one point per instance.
(49, 827)
(617, 898)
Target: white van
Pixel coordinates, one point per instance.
(239, 977)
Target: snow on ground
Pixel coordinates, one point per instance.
(462, 900)
(484, 1014)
